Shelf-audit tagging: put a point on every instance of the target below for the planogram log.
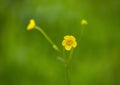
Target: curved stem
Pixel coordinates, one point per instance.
(48, 38)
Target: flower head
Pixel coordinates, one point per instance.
(31, 25)
(69, 42)
(84, 22)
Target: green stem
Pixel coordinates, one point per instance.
(82, 31)
(67, 74)
(70, 56)
(67, 62)
(48, 38)
(67, 67)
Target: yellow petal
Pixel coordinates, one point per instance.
(72, 38)
(67, 37)
(64, 42)
(68, 48)
(74, 44)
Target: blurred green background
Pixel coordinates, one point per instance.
(26, 58)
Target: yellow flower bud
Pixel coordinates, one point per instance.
(84, 22)
(31, 25)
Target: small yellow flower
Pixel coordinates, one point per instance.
(69, 42)
(31, 25)
(84, 22)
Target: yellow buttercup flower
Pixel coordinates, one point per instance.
(84, 22)
(69, 42)
(31, 25)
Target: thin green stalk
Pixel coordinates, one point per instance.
(48, 38)
(67, 71)
(82, 31)
(70, 56)
(67, 67)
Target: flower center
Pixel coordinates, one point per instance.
(69, 42)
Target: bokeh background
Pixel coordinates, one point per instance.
(26, 58)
